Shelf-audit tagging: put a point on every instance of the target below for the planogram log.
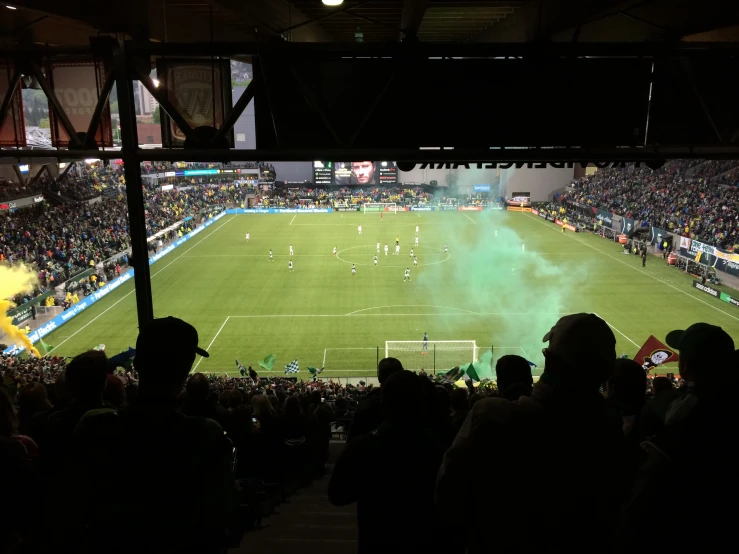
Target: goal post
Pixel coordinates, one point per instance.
(380, 207)
(433, 354)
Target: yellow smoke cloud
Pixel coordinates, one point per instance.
(15, 279)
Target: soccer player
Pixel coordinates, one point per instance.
(446, 250)
(271, 259)
(416, 240)
(354, 270)
(397, 240)
(407, 276)
(378, 247)
(290, 265)
(496, 232)
(386, 249)
(375, 259)
(523, 248)
(247, 237)
(334, 252)
(425, 345)
(416, 230)
(291, 249)
(397, 249)
(415, 261)
(411, 254)
(359, 229)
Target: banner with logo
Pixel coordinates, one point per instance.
(77, 86)
(605, 217)
(13, 127)
(23, 311)
(658, 236)
(708, 289)
(628, 226)
(470, 208)
(200, 90)
(281, 211)
(421, 208)
(482, 188)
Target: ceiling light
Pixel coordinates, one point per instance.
(333, 2)
(14, 8)
(156, 82)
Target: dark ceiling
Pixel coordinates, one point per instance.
(68, 23)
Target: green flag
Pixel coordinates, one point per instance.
(268, 362)
(471, 372)
(47, 347)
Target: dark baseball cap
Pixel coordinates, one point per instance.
(167, 333)
(700, 339)
(582, 339)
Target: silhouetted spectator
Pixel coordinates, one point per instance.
(513, 375)
(368, 415)
(556, 454)
(199, 401)
(695, 448)
(183, 493)
(395, 511)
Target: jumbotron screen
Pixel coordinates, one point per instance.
(355, 173)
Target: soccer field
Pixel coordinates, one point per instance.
(505, 281)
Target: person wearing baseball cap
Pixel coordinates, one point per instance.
(165, 350)
(561, 436)
(581, 351)
(184, 494)
(695, 448)
(697, 345)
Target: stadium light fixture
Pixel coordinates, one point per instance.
(333, 2)
(14, 8)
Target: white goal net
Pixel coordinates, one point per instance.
(380, 207)
(433, 354)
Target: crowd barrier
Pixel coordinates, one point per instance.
(708, 255)
(84, 303)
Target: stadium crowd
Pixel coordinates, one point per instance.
(11, 191)
(701, 206)
(587, 459)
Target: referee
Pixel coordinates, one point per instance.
(425, 345)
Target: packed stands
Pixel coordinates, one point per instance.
(11, 191)
(689, 200)
(416, 449)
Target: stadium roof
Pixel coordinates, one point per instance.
(72, 23)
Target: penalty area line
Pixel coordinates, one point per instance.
(472, 220)
(619, 332)
(211, 342)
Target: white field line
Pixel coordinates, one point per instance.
(134, 289)
(293, 219)
(411, 306)
(619, 332)
(257, 316)
(537, 219)
(258, 255)
(472, 220)
(211, 342)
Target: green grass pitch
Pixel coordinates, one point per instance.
(506, 279)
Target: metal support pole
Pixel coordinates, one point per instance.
(434, 359)
(134, 190)
(377, 364)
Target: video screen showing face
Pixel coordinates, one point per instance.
(355, 173)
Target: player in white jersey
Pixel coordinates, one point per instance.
(291, 249)
(247, 237)
(270, 256)
(386, 249)
(411, 254)
(415, 261)
(290, 265)
(354, 270)
(375, 259)
(359, 229)
(397, 249)
(407, 276)
(446, 250)
(523, 248)
(334, 252)
(496, 232)
(416, 240)
(416, 230)
(378, 247)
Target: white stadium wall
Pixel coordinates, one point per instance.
(465, 179)
(541, 183)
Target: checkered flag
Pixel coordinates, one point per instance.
(292, 367)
